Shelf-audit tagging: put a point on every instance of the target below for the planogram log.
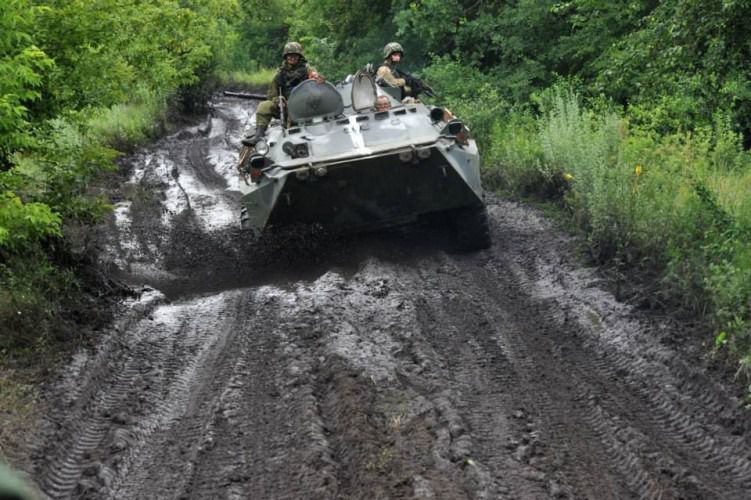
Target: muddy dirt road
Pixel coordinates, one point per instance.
(376, 368)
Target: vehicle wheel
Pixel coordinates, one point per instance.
(470, 229)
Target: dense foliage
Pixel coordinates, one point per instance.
(81, 78)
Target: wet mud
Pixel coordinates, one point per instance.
(373, 367)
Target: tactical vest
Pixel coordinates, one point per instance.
(290, 77)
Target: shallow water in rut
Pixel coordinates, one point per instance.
(376, 367)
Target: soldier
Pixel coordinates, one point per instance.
(293, 71)
(387, 73)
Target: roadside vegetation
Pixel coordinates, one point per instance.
(633, 117)
(82, 82)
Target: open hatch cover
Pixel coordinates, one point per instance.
(311, 100)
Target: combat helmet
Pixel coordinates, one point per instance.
(292, 48)
(391, 48)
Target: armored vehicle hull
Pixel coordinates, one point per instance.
(359, 170)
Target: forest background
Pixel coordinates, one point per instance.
(632, 118)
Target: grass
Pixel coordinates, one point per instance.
(17, 409)
(259, 79)
(130, 123)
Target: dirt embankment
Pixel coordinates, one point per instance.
(381, 367)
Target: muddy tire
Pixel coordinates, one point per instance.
(470, 229)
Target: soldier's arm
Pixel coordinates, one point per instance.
(385, 74)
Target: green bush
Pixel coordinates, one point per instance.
(24, 225)
(677, 204)
(60, 169)
(105, 50)
(513, 161)
(22, 65)
(471, 96)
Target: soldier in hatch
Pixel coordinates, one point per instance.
(388, 75)
(382, 103)
(293, 71)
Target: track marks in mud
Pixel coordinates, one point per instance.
(382, 373)
(139, 386)
(481, 375)
(249, 426)
(402, 421)
(652, 411)
(466, 376)
(185, 183)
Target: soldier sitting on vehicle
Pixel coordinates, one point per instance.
(388, 75)
(293, 71)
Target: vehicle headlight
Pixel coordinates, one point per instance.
(257, 161)
(423, 153)
(262, 147)
(406, 156)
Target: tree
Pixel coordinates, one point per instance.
(689, 57)
(22, 65)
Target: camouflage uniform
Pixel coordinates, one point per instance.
(388, 74)
(286, 78)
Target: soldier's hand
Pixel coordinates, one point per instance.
(317, 77)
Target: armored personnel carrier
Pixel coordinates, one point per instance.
(343, 165)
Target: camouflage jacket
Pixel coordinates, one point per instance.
(288, 77)
(389, 74)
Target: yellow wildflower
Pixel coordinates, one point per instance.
(568, 177)
(637, 170)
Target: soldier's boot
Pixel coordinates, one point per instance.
(252, 140)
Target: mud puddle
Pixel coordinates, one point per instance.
(372, 367)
